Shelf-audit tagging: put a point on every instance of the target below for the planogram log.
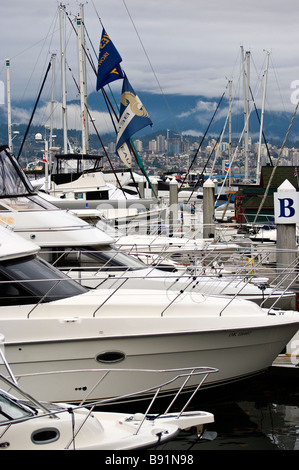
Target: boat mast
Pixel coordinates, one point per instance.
(83, 87)
(230, 133)
(258, 167)
(53, 60)
(63, 79)
(246, 86)
(8, 104)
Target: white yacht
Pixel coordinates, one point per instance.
(28, 424)
(53, 324)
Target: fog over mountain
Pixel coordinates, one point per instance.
(192, 115)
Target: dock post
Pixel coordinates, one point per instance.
(208, 209)
(173, 205)
(286, 210)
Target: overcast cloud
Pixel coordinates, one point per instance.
(187, 47)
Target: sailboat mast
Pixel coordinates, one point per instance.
(63, 76)
(247, 91)
(258, 167)
(53, 60)
(83, 48)
(230, 133)
(83, 88)
(8, 104)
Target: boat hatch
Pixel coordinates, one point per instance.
(110, 356)
(45, 436)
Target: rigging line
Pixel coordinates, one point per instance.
(152, 68)
(259, 120)
(110, 108)
(260, 75)
(97, 13)
(90, 58)
(276, 164)
(206, 164)
(220, 139)
(202, 139)
(279, 88)
(94, 67)
(34, 109)
(132, 146)
(43, 41)
(99, 137)
(235, 153)
(83, 47)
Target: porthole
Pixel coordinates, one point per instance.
(110, 357)
(45, 436)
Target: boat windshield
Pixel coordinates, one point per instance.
(30, 280)
(13, 181)
(105, 258)
(25, 203)
(10, 408)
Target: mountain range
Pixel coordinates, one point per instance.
(191, 115)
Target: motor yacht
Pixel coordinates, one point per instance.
(28, 424)
(51, 323)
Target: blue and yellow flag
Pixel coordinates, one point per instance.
(133, 115)
(109, 62)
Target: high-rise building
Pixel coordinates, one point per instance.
(161, 145)
(138, 145)
(152, 146)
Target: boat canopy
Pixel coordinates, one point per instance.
(69, 167)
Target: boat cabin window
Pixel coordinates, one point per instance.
(10, 408)
(30, 280)
(104, 258)
(76, 163)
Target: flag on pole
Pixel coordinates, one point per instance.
(133, 116)
(109, 62)
(125, 155)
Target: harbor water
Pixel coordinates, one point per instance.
(261, 413)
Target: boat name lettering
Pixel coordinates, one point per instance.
(7, 220)
(240, 333)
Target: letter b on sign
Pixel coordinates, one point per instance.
(286, 204)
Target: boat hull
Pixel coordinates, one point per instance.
(237, 352)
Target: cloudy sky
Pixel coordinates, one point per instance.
(188, 47)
